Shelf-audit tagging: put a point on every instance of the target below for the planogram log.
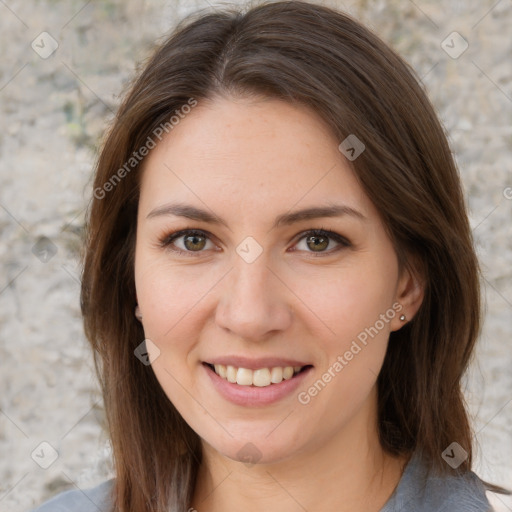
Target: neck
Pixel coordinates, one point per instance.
(351, 472)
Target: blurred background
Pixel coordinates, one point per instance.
(63, 68)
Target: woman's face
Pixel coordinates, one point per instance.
(250, 288)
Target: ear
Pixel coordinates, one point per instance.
(409, 293)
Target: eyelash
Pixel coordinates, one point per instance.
(167, 240)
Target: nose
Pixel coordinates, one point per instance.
(255, 302)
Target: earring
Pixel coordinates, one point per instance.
(402, 318)
(138, 314)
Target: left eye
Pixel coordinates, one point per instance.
(194, 241)
(320, 239)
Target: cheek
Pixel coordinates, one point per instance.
(169, 294)
(357, 306)
(169, 298)
(354, 342)
(350, 300)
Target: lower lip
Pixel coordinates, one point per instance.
(253, 396)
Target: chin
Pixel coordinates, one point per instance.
(256, 449)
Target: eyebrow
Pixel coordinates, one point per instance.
(285, 219)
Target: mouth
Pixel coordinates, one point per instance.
(261, 377)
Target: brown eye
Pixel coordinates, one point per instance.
(194, 242)
(317, 241)
(186, 241)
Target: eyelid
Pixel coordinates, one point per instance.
(167, 240)
(342, 241)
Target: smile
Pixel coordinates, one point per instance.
(261, 377)
(255, 382)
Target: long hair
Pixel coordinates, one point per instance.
(309, 55)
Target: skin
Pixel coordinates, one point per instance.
(248, 161)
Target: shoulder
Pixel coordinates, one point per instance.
(96, 499)
(424, 491)
(462, 493)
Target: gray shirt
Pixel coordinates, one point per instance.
(416, 492)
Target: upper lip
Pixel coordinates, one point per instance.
(255, 363)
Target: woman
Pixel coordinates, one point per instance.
(279, 282)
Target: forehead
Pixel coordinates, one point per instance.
(251, 153)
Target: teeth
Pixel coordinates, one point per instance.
(244, 377)
(288, 372)
(221, 370)
(276, 375)
(261, 378)
(231, 374)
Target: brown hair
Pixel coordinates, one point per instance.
(310, 55)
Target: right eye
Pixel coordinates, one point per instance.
(193, 241)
